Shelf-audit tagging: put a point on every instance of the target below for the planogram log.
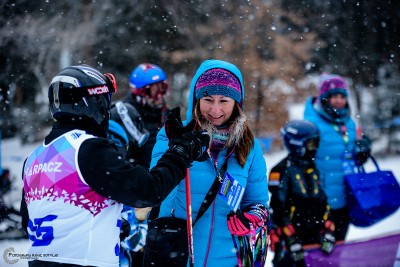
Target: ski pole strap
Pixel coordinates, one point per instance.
(261, 247)
(210, 196)
(251, 250)
(244, 254)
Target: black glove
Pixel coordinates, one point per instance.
(362, 150)
(173, 124)
(125, 230)
(295, 248)
(191, 146)
(327, 243)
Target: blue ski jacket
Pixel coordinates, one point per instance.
(330, 155)
(213, 245)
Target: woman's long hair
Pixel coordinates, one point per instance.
(240, 138)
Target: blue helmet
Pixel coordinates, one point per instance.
(146, 74)
(300, 136)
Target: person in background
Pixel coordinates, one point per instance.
(5, 182)
(125, 128)
(76, 182)
(215, 104)
(148, 89)
(339, 148)
(10, 218)
(142, 114)
(300, 213)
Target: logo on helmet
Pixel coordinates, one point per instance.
(99, 90)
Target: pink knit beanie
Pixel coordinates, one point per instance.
(218, 82)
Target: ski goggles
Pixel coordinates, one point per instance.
(159, 88)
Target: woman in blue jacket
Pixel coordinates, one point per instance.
(216, 104)
(330, 112)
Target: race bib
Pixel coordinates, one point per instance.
(231, 191)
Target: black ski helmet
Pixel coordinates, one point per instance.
(82, 93)
(300, 136)
(129, 118)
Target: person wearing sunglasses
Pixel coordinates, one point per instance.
(76, 182)
(300, 214)
(148, 89)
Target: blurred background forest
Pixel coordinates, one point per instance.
(281, 46)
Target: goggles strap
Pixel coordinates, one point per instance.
(111, 82)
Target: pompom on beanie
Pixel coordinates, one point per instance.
(218, 82)
(332, 84)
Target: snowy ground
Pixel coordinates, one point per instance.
(13, 154)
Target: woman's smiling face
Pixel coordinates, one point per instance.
(217, 108)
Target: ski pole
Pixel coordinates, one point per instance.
(189, 222)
